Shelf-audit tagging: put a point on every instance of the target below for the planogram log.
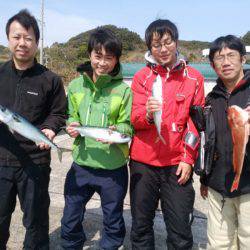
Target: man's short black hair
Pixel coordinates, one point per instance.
(161, 27)
(229, 41)
(26, 20)
(103, 37)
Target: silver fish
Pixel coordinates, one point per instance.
(105, 134)
(157, 94)
(23, 127)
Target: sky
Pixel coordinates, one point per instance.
(202, 20)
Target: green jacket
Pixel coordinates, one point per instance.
(104, 103)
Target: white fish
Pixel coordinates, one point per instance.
(105, 134)
(157, 94)
(23, 127)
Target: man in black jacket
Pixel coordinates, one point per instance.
(228, 214)
(37, 94)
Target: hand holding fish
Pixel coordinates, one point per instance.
(152, 106)
(50, 134)
(112, 128)
(248, 111)
(71, 129)
(184, 170)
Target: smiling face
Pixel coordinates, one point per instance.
(22, 44)
(102, 62)
(228, 65)
(164, 49)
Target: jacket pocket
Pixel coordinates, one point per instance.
(180, 110)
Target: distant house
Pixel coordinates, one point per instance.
(248, 50)
(205, 52)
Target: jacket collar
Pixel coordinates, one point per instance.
(103, 80)
(26, 70)
(220, 88)
(161, 69)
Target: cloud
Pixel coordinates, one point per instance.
(60, 27)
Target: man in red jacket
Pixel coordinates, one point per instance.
(163, 171)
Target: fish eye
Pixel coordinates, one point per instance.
(16, 118)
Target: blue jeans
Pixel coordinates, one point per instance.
(80, 185)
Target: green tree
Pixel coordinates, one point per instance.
(246, 38)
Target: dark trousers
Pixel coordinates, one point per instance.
(148, 186)
(30, 183)
(80, 185)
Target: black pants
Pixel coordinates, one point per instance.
(30, 183)
(149, 185)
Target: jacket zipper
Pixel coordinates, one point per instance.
(18, 94)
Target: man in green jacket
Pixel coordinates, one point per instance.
(98, 98)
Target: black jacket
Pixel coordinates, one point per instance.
(38, 95)
(222, 175)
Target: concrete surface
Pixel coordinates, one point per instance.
(93, 218)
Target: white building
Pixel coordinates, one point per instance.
(205, 52)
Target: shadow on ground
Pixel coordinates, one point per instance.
(93, 226)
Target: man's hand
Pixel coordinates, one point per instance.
(248, 110)
(152, 105)
(71, 129)
(203, 191)
(184, 170)
(50, 134)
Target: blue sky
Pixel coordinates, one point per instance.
(196, 19)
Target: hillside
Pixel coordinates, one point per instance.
(4, 53)
(64, 57)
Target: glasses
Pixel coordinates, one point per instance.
(232, 57)
(167, 44)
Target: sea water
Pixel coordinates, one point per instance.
(129, 69)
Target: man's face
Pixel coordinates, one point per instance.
(102, 62)
(164, 49)
(228, 65)
(22, 43)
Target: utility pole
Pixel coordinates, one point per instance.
(41, 40)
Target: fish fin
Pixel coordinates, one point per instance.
(11, 130)
(158, 138)
(235, 185)
(162, 139)
(60, 151)
(37, 143)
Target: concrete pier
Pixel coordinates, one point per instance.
(93, 218)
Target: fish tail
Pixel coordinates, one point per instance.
(60, 151)
(235, 185)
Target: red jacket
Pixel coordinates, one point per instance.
(183, 86)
